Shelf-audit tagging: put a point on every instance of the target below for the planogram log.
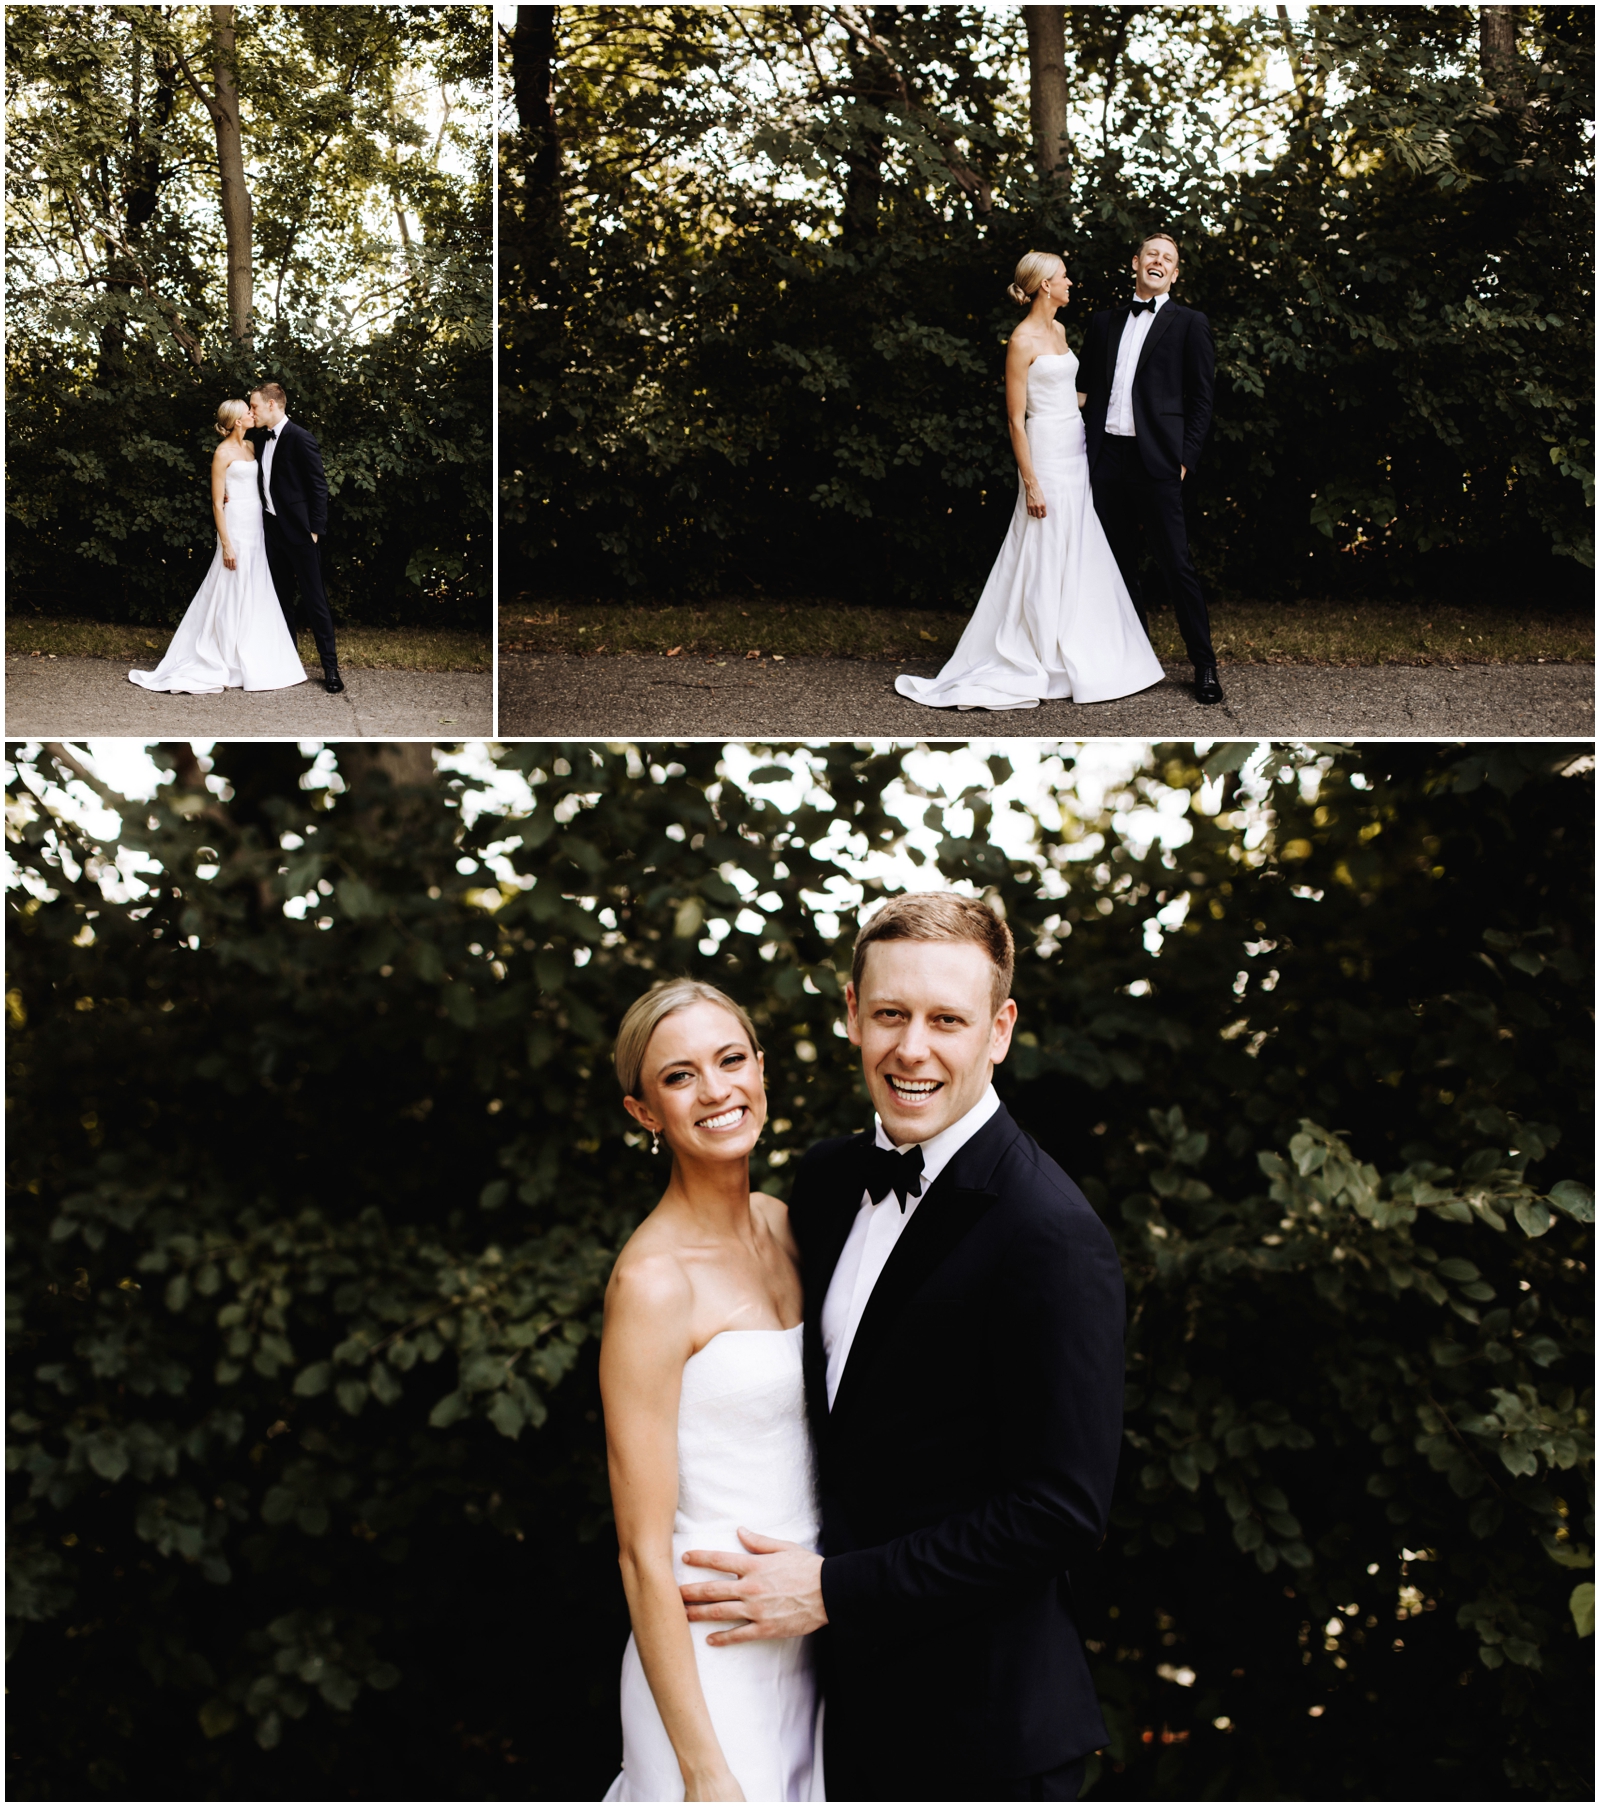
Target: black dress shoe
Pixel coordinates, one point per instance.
(1206, 687)
(333, 683)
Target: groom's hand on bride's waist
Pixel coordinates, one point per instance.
(770, 1589)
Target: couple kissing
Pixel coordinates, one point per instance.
(269, 500)
(859, 1443)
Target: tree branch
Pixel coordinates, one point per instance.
(962, 173)
(70, 762)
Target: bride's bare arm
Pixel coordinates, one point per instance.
(642, 1355)
(1018, 358)
(219, 506)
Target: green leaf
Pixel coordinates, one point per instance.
(313, 1380)
(218, 1717)
(1229, 756)
(1580, 1603)
(1249, 1534)
(507, 1415)
(449, 1410)
(1455, 1268)
(108, 1455)
(1577, 1201)
(351, 1395)
(1534, 1217)
(385, 1388)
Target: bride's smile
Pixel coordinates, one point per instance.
(727, 1120)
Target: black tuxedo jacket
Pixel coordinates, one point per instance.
(299, 484)
(1172, 385)
(968, 1461)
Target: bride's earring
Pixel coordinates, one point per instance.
(655, 1142)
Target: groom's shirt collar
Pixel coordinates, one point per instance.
(939, 1150)
(1160, 300)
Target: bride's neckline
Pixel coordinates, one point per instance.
(721, 1333)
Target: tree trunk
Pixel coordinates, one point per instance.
(533, 85)
(863, 181)
(143, 186)
(237, 214)
(1497, 54)
(1047, 84)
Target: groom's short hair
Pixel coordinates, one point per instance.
(273, 392)
(1138, 249)
(940, 916)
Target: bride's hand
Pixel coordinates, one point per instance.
(1035, 497)
(719, 1786)
(230, 558)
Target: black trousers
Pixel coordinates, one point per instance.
(887, 1775)
(1128, 499)
(297, 564)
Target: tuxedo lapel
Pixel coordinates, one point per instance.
(1119, 319)
(1161, 323)
(955, 1203)
(827, 1231)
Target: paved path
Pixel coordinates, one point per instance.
(75, 698)
(573, 697)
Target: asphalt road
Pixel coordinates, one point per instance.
(76, 698)
(573, 696)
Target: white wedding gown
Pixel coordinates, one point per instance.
(233, 633)
(1055, 618)
(744, 1458)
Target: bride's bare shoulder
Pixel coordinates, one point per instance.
(650, 1275)
(775, 1214)
(1024, 345)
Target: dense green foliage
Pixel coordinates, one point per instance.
(366, 144)
(317, 1170)
(753, 291)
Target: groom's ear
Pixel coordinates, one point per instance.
(852, 1023)
(1004, 1024)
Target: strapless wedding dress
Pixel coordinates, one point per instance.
(233, 633)
(1055, 618)
(744, 1458)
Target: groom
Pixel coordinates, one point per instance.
(963, 1357)
(1147, 372)
(294, 498)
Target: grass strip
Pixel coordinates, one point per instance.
(360, 648)
(1245, 633)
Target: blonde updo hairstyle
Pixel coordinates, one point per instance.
(646, 1014)
(1035, 270)
(228, 413)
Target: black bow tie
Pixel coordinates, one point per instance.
(890, 1171)
(1145, 307)
(272, 432)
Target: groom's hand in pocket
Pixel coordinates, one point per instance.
(770, 1590)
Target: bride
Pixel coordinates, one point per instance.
(1055, 618)
(233, 633)
(700, 1374)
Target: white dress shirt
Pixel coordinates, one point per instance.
(875, 1232)
(266, 462)
(1135, 330)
